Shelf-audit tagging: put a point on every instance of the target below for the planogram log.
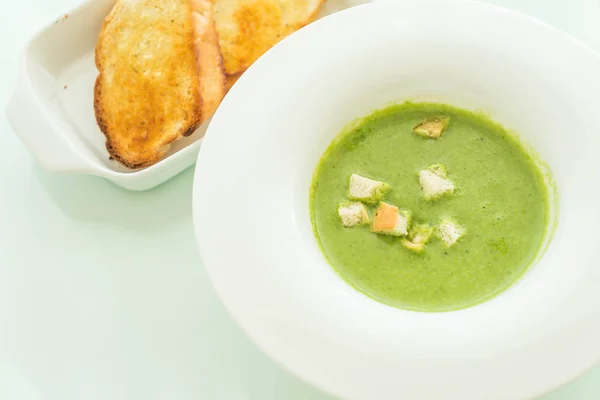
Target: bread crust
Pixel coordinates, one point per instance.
(209, 58)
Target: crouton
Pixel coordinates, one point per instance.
(415, 247)
(418, 237)
(389, 220)
(434, 182)
(420, 233)
(450, 232)
(432, 127)
(353, 214)
(367, 190)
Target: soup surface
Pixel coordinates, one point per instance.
(499, 202)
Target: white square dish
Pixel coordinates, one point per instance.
(52, 110)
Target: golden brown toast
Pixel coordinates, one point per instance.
(248, 28)
(160, 75)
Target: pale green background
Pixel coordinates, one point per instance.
(102, 291)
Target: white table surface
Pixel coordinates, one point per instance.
(102, 291)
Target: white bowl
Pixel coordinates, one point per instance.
(252, 214)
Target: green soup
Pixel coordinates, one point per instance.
(500, 198)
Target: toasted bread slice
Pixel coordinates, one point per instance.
(160, 76)
(248, 28)
(389, 220)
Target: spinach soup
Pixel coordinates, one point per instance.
(429, 207)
